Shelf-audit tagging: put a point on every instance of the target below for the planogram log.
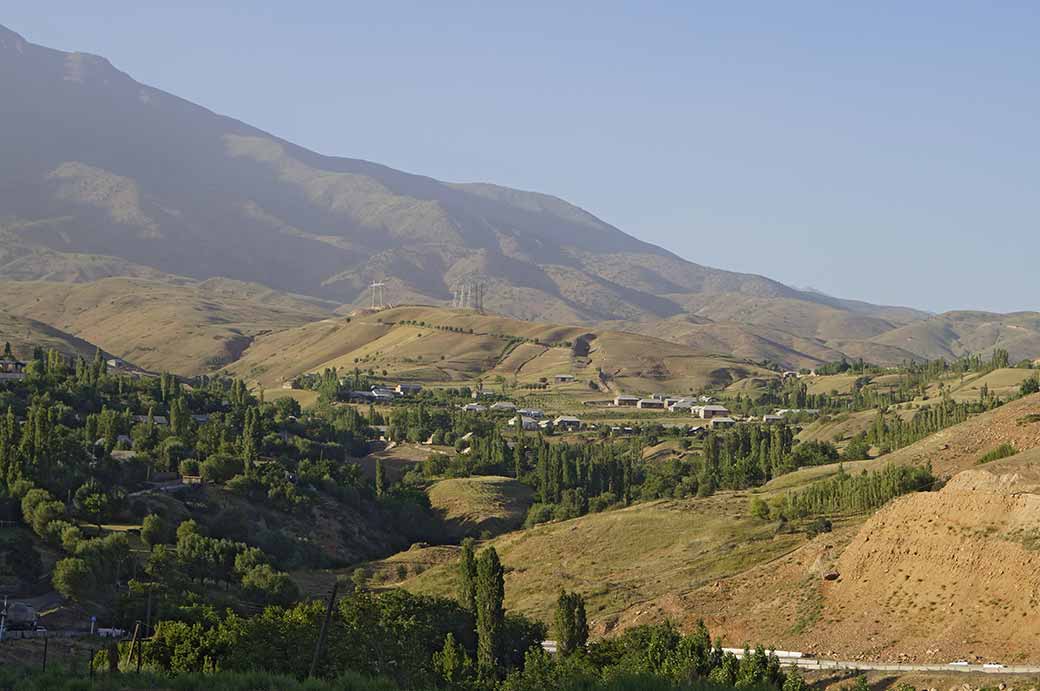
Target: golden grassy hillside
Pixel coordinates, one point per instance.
(473, 506)
(438, 345)
(182, 327)
(25, 334)
(624, 561)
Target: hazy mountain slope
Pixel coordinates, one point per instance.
(104, 176)
(953, 334)
(188, 328)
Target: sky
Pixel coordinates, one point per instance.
(883, 151)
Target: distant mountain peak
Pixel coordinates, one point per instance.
(10, 40)
(102, 175)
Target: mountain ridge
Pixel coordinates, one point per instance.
(102, 187)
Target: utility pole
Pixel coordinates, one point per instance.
(324, 629)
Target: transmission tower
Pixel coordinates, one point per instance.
(377, 294)
(469, 294)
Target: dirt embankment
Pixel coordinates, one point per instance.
(945, 575)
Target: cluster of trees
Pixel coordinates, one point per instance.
(890, 431)
(471, 644)
(846, 494)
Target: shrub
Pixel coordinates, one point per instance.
(538, 513)
(220, 468)
(1002, 451)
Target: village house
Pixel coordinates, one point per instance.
(564, 378)
(156, 419)
(526, 423)
(772, 419)
(681, 404)
(650, 404)
(474, 408)
(532, 413)
(707, 412)
(567, 422)
(12, 370)
(502, 407)
(408, 389)
(626, 401)
(722, 422)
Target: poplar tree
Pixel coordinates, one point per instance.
(468, 577)
(490, 593)
(572, 629)
(380, 478)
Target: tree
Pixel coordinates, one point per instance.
(220, 468)
(794, 682)
(452, 663)
(270, 587)
(490, 593)
(73, 578)
(154, 530)
(359, 579)
(380, 478)
(468, 577)
(572, 629)
(93, 503)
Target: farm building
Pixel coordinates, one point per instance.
(564, 378)
(567, 422)
(626, 401)
(707, 412)
(157, 419)
(526, 423)
(650, 404)
(11, 369)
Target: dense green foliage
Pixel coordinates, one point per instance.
(847, 494)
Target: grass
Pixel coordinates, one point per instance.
(473, 506)
(621, 559)
(184, 328)
(305, 397)
(460, 346)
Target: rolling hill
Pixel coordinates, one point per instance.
(161, 325)
(709, 558)
(442, 345)
(26, 334)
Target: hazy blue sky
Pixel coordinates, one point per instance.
(887, 151)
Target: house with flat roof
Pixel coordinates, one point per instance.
(567, 422)
(707, 412)
(11, 369)
(526, 423)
